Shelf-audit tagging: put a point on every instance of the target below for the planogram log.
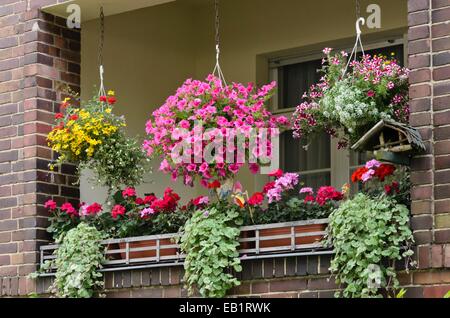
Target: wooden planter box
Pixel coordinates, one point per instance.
(278, 237)
(255, 241)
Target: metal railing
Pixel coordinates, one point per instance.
(256, 242)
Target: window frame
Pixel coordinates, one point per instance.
(340, 167)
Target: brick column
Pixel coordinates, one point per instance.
(429, 61)
(38, 56)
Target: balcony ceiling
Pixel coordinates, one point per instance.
(90, 8)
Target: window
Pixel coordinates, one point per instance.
(318, 161)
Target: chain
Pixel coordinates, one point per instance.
(216, 6)
(102, 37)
(358, 9)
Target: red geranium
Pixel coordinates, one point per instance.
(277, 173)
(168, 203)
(384, 171)
(118, 210)
(357, 175)
(59, 116)
(214, 185)
(149, 199)
(309, 198)
(111, 100)
(69, 209)
(73, 117)
(140, 201)
(94, 208)
(103, 99)
(129, 192)
(256, 199)
(268, 186)
(325, 194)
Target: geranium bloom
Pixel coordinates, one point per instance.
(214, 185)
(373, 164)
(367, 175)
(112, 100)
(325, 194)
(357, 175)
(74, 117)
(254, 168)
(69, 209)
(147, 213)
(129, 192)
(269, 185)
(200, 201)
(51, 205)
(118, 210)
(103, 99)
(306, 190)
(59, 116)
(284, 183)
(277, 173)
(384, 171)
(309, 198)
(256, 199)
(94, 208)
(139, 201)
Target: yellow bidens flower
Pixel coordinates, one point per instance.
(111, 93)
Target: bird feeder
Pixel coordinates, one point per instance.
(392, 142)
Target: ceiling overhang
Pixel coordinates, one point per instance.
(90, 8)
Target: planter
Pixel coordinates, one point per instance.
(150, 253)
(307, 228)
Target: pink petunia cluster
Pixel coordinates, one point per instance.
(201, 113)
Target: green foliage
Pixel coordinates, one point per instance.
(61, 223)
(210, 241)
(78, 259)
(365, 232)
(447, 295)
(120, 161)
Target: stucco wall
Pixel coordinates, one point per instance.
(149, 52)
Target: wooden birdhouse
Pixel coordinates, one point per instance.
(391, 141)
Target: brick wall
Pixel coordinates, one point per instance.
(429, 61)
(38, 55)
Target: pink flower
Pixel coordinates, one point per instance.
(147, 213)
(327, 50)
(254, 168)
(373, 164)
(368, 175)
(129, 192)
(51, 205)
(371, 93)
(94, 208)
(306, 190)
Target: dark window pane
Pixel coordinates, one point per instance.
(295, 158)
(296, 79)
(396, 52)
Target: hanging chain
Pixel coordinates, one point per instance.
(216, 6)
(358, 9)
(217, 69)
(102, 37)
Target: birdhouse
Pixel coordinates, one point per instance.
(391, 142)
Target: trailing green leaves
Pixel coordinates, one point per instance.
(210, 241)
(78, 259)
(369, 236)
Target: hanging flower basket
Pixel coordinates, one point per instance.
(202, 114)
(348, 103)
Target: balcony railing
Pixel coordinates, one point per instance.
(258, 241)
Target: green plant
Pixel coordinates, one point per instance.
(447, 295)
(78, 258)
(210, 241)
(369, 235)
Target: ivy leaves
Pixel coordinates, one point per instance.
(210, 241)
(369, 236)
(78, 259)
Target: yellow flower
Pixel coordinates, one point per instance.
(66, 100)
(108, 110)
(111, 93)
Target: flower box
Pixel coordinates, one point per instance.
(279, 237)
(148, 249)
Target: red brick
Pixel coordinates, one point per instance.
(418, 18)
(442, 118)
(419, 32)
(420, 119)
(424, 257)
(419, 46)
(441, 44)
(437, 256)
(419, 76)
(428, 278)
(436, 291)
(440, 3)
(287, 285)
(422, 222)
(441, 73)
(419, 91)
(441, 15)
(440, 30)
(420, 207)
(442, 236)
(418, 5)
